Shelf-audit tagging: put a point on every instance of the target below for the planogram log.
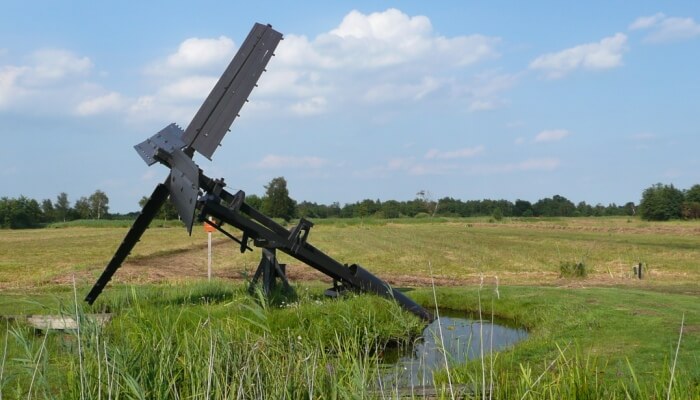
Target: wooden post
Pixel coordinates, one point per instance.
(639, 271)
(208, 229)
(209, 255)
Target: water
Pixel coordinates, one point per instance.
(462, 338)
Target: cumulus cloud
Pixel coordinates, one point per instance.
(106, 103)
(200, 53)
(194, 87)
(367, 60)
(392, 92)
(273, 161)
(663, 29)
(182, 80)
(604, 54)
(551, 135)
(382, 57)
(50, 75)
(484, 92)
(9, 75)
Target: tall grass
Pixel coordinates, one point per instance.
(213, 342)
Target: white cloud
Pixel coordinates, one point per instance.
(391, 92)
(646, 22)
(272, 161)
(665, 29)
(551, 135)
(382, 57)
(9, 75)
(53, 81)
(199, 53)
(194, 87)
(107, 103)
(56, 64)
(156, 108)
(604, 54)
(391, 38)
(459, 153)
(484, 92)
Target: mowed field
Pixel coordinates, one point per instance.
(404, 252)
(605, 335)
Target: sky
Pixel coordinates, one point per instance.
(594, 101)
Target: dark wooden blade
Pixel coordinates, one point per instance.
(221, 107)
(150, 209)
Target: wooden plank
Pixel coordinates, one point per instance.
(64, 322)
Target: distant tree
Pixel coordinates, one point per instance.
(166, 212)
(690, 209)
(82, 209)
(254, 201)
(584, 209)
(99, 204)
(390, 209)
(277, 202)
(661, 203)
(556, 206)
(334, 209)
(367, 207)
(62, 207)
(307, 209)
(412, 207)
(693, 194)
(497, 214)
(47, 209)
(19, 213)
(629, 208)
(425, 197)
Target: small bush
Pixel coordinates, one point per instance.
(497, 214)
(573, 269)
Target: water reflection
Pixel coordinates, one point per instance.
(462, 341)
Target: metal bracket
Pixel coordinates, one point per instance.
(299, 234)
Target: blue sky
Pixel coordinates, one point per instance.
(594, 101)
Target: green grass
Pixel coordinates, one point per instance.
(205, 340)
(519, 251)
(606, 335)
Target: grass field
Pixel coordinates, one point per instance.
(606, 335)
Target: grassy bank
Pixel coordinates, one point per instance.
(216, 341)
(606, 335)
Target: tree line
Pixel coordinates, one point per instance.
(659, 203)
(23, 212)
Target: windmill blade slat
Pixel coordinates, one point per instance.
(221, 107)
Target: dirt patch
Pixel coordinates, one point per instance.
(189, 264)
(691, 329)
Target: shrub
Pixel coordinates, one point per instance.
(572, 269)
